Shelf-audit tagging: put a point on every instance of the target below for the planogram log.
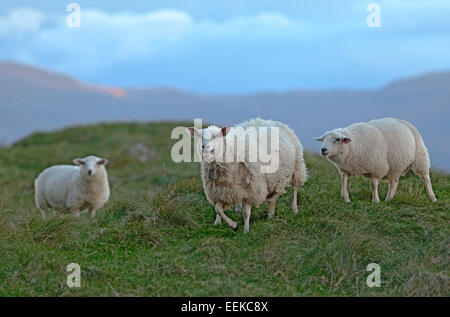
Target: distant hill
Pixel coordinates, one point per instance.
(33, 99)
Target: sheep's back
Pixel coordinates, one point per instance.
(400, 142)
(289, 146)
(54, 184)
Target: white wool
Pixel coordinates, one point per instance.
(66, 187)
(231, 183)
(381, 149)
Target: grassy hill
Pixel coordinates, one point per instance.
(155, 237)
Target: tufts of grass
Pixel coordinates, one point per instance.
(155, 237)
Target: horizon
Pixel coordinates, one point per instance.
(181, 90)
(55, 100)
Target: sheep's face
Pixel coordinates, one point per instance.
(90, 166)
(212, 142)
(333, 144)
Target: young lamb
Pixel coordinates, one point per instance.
(74, 188)
(243, 180)
(381, 149)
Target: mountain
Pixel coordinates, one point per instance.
(33, 99)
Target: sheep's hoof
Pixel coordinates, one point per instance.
(236, 229)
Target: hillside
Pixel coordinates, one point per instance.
(32, 99)
(155, 237)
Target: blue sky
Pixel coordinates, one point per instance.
(230, 46)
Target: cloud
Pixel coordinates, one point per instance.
(105, 39)
(21, 21)
(268, 50)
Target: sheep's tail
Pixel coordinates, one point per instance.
(38, 198)
(421, 163)
(300, 174)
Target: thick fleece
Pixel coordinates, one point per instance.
(230, 183)
(73, 188)
(383, 149)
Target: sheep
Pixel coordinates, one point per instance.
(74, 188)
(382, 149)
(242, 180)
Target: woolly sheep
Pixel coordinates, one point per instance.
(74, 188)
(381, 149)
(242, 181)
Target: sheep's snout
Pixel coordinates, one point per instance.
(208, 153)
(89, 172)
(324, 151)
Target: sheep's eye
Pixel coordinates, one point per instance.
(338, 140)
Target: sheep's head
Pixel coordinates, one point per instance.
(212, 142)
(334, 144)
(90, 166)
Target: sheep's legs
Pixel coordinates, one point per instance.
(76, 213)
(344, 191)
(247, 212)
(272, 204)
(392, 189)
(218, 220)
(221, 213)
(238, 208)
(374, 186)
(294, 207)
(92, 213)
(43, 214)
(427, 181)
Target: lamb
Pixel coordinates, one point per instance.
(242, 180)
(383, 149)
(74, 188)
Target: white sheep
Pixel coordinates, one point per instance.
(74, 188)
(381, 149)
(242, 179)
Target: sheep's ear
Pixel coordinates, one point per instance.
(103, 162)
(320, 138)
(193, 132)
(346, 140)
(78, 161)
(225, 130)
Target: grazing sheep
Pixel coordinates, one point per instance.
(381, 149)
(74, 188)
(242, 180)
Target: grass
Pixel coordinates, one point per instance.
(155, 237)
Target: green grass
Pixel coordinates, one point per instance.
(155, 237)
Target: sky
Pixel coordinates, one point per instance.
(230, 46)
